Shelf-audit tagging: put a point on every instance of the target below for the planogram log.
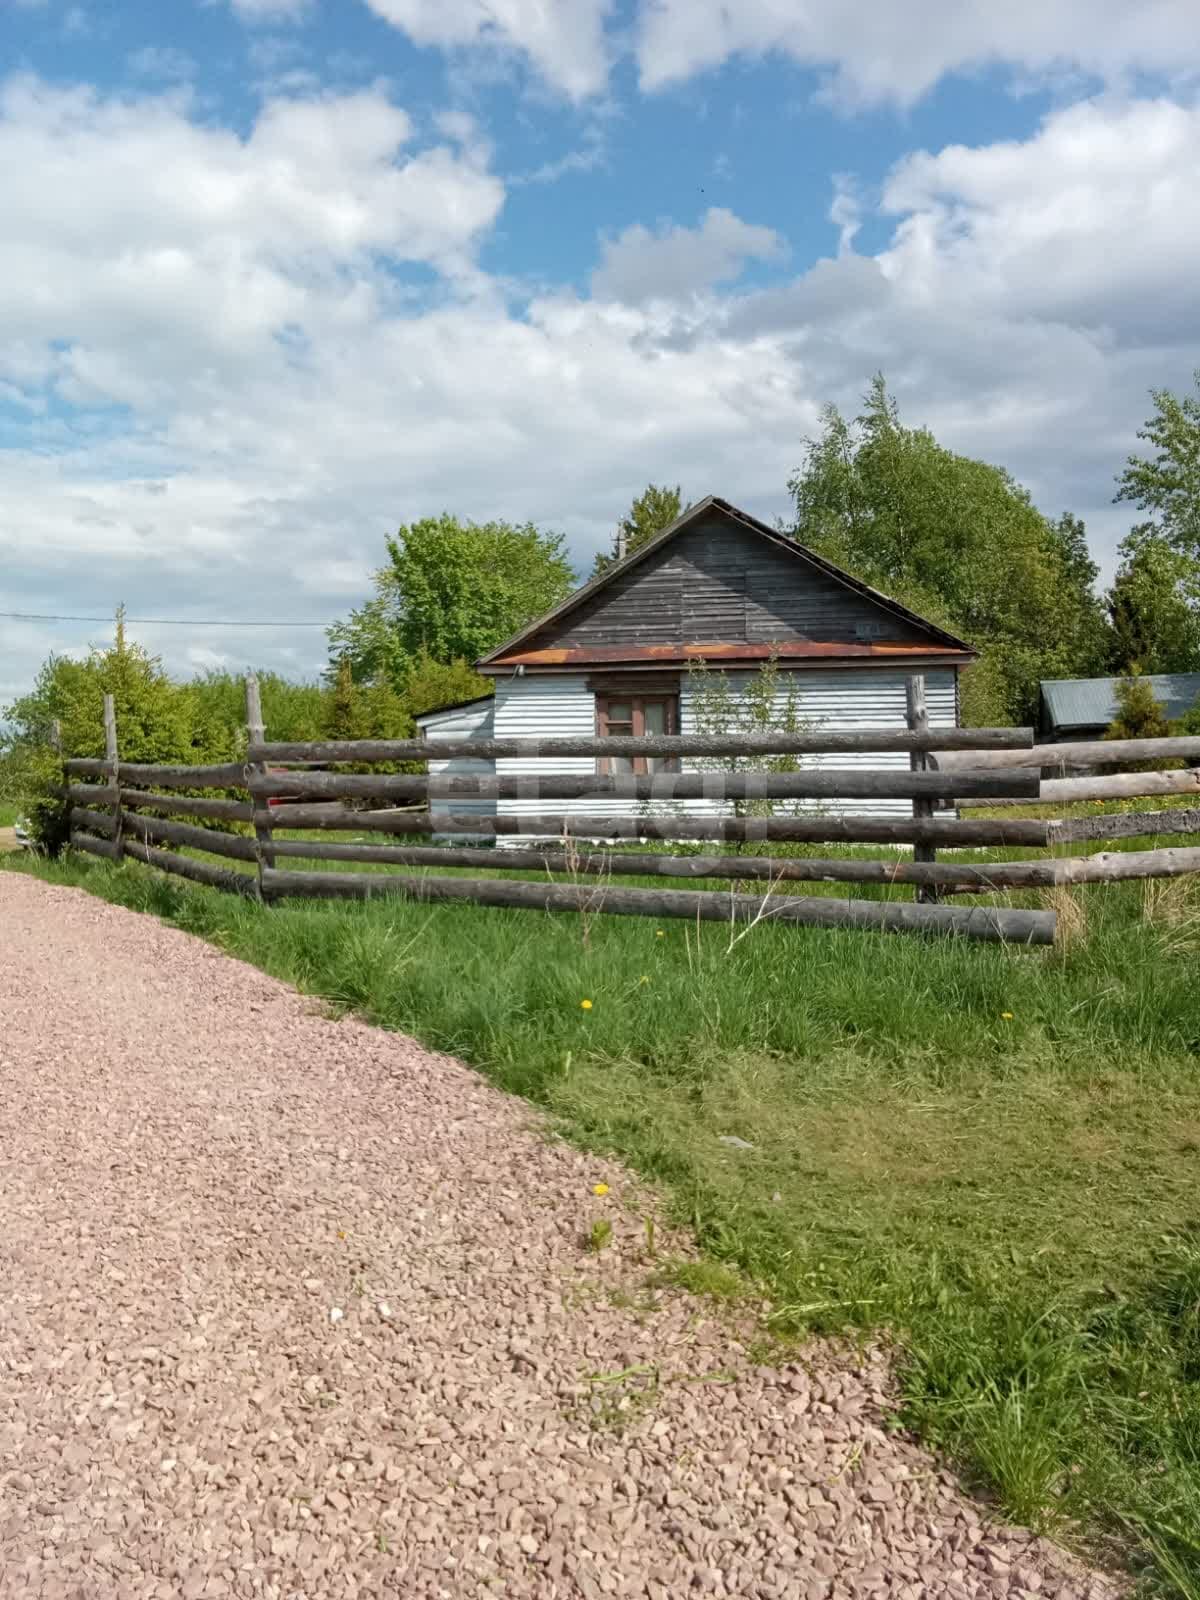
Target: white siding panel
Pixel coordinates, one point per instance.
(462, 722)
(557, 708)
(841, 702)
(550, 707)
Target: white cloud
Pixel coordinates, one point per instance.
(162, 62)
(268, 11)
(640, 265)
(1095, 221)
(234, 392)
(563, 40)
(877, 50)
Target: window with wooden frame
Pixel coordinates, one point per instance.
(620, 714)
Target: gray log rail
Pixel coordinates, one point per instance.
(997, 924)
(863, 741)
(850, 783)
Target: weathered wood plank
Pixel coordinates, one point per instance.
(1127, 825)
(998, 924)
(917, 717)
(195, 871)
(159, 830)
(256, 774)
(231, 775)
(951, 877)
(950, 833)
(846, 783)
(111, 759)
(1082, 753)
(101, 822)
(1118, 786)
(863, 741)
(184, 805)
(107, 848)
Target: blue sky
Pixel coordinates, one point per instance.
(281, 274)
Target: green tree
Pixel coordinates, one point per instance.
(291, 710)
(958, 541)
(453, 590)
(765, 701)
(156, 722)
(1139, 714)
(1155, 622)
(427, 684)
(343, 706)
(653, 510)
(1166, 484)
(365, 711)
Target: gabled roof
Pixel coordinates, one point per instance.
(1092, 702)
(942, 640)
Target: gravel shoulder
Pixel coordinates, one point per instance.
(294, 1308)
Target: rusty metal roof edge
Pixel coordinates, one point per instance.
(711, 501)
(559, 657)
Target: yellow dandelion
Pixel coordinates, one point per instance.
(659, 934)
(600, 1188)
(341, 1233)
(585, 1005)
(1006, 1016)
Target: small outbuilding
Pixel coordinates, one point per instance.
(717, 591)
(1083, 708)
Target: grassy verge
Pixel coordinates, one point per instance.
(8, 814)
(993, 1153)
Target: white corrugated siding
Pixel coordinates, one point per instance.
(461, 722)
(537, 707)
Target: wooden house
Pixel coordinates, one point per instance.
(717, 591)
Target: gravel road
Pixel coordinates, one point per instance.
(290, 1307)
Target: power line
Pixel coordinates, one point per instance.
(159, 622)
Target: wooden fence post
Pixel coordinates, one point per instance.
(114, 775)
(918, 722)
(264, 853)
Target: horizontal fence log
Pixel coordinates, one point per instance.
(107, 848)
(195, 871)
(231, 775)
(160, 831)
(1120, 786)
(101, 822)
(189, 805)
(948, 833)
(1082, 753)
(952, 877)
(860, 741)
(997, 924)
(1173, 820)
(1105, 866)
(830, 784)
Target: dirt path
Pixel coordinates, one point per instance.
(292, 1308)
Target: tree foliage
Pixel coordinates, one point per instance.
(1139, 714)
(653, 510)
(959, 542)
(1166, 484)
(157, 721)
(1155, 621)
(451, 590)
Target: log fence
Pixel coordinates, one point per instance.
(131, 810)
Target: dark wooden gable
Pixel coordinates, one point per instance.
(719, 582)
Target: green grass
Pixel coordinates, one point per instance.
(8, 814)
(992, 1153)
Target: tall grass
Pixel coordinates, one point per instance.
(992, 1153)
